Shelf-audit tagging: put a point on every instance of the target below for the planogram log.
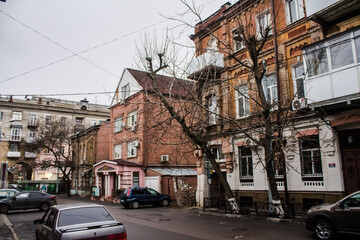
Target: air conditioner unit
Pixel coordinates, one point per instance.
(164, 158)
(299, 103)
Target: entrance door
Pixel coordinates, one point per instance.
(351, 168)
(350, 151)
(216, 189)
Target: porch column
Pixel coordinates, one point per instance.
(97, 180)
(119, 181)
(109, 185)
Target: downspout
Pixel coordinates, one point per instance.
(77, 165)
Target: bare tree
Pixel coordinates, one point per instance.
(54, 137)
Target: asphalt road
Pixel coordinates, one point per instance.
(147, 223)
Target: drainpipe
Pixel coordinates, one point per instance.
(77, 165)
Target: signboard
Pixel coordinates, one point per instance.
(332, 165)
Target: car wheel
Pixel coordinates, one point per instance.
(135, 204)
(4, 209)
(164, 202)
(44, 207)
(324, 230)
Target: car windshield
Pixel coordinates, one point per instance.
(83, 215)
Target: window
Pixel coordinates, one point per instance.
(125, 91)
(212, 44)
(237, 40)
(1, 115)
(14, 147)
(118, 125)
(316, 60)
(131, 149)
(357, 44)
(246, 163)
(79, 121)
(298, 80)
(131, 120)
(341, 51)
(62, 150)
(31, 135)
(17, 115)
(294, 10)
(117, 151)
(63, 121)
(33, 119)
(48, 120)
(213, 110)
(263, 22)
(270, 88)
(15, 134)
(242, 103)
(310, 156)
(135, 179)
(217, 152)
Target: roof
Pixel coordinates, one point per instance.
(166, 84)
(118, 162)
(175, 171)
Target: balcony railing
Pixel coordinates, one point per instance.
(30, 154)
(13, 154)
(208, 59)
(33, 124)
(15, 138)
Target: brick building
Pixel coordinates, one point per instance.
(311, 81)
(144, 149)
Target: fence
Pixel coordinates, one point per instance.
(251, 208)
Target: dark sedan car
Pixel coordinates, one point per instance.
(79, 221)
(134, 197)
(28, 200)
(328, 219)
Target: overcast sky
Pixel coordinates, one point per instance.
(39, 40)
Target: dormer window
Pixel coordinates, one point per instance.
(125, 91)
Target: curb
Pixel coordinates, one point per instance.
(270, 219)
(9, 225)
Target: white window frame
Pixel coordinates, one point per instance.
(312, 152)
(117, 151)
(213, 110)
(212, 44)
(118, 124)
(270, 90)
(298, 78)
(15, 134)
(299, 11)
(261, 25)
(125, 91)
(33, 119)
(79, 121)
(249, 164)
(17, 115)
(218, 154)
(131, 149)
(31, 134)
(238, 44)
(242, 95)
(132, 120)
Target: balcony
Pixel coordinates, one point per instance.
(30, 154)
(327, 11)
(13, 154)
(33, 124)
(79, 128)
(209, 59)
(332, 70)
(15, 138)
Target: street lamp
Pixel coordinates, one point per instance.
(4, 164)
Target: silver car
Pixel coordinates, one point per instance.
(6, 193)
(79, 221)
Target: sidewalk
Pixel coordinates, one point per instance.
(6, 228)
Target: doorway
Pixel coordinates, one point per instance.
(350, 154)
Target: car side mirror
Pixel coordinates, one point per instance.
(38, 221)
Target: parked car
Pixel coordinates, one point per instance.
(79, 221)
(134, 197)
(6, 193)
(27, 200)
(326, 220)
